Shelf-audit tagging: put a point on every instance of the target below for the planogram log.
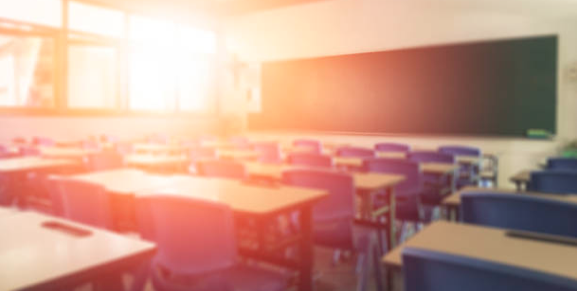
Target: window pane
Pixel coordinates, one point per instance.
(197, 40)
(195, 81)
(93, 19)
(92, 77)
(43, 12)
(26, 71)
(152, 31)
(152, 79)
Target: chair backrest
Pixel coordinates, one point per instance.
(413, 182)
(355, 152)
(310, 160)
(520, 212)
(340, 202)
(562, 164)
(561, 182)
(85, 203)
(42, 141)
(104, 161)
(222, 169)
(425, 270)
(315, 145)
(268, 152)
(392, 147)
(52, 185)
(192, 236)
(431, 157)
(460, 150)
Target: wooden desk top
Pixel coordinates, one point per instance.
(392, 155)
(431, 168)
(240, 196)
(35, 256)
(66, 152)
(154, 160)
(522, 177)
(7, 211)
(31, 163)
(157, 148)
(493, 245)
(123, 181)
(455, 198)
(363, 181)
(237, 154)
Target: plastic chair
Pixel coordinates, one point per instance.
(434, 185)
(468, 174)
(314, 145)
(333, 216)
(197, 248)
(431, 157)
(84, 202)
(569, 164)
(560, 182)
(392, 147)
(222, 169)
(310, 160)
(355, 152)
(269, 152)
(104, 161)
(425, 270)
(520, 212)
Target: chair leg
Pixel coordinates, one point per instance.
(376, 255)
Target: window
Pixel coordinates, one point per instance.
(42, 12)
(97, 20)
(92, 76)
(26, 71)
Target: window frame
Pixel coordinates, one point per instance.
(63, 39)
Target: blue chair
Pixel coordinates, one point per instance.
(310, 160)
(468, 174)
(392, 147)
(104, 161)
(560, 182)
(520, 212)
(431, 157)
(355, 152)
(197, 248)
(222, 169)
(268, 152)
(407, 192)
(425, 270)
(333, 216)
(84, 202)
(569, 164)
(315, 145)
(435, 186)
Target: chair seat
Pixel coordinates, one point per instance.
(335, 233)
(237, 278)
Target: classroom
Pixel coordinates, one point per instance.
(299, 145)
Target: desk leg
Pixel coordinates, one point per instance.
(392, 217)
(306, 250)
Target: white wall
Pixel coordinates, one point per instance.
(352, 26)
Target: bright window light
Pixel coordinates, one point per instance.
(197, 40)
(43, 12)
(93, 19)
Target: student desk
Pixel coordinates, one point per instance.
(453, 201)
(154, 148)
(156, 162)
(4, 211)
(521, 179)
(122, 181)
(491, 244)
(75, 153)
(367, 186)
(237, 154)
(35, 257)
(429, 168)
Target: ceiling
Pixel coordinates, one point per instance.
(195, 7)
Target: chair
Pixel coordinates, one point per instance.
(333, 216)
(560, 182)
(435, 186)
(310, 160)
(268, 152)
(29, 151)
(222, 169)
(520, 212)
(197, 248)
(392, 147)
(104, 161)
(314, 145)
(562, 164)
(425, 270)
(84, 202)
(431, 157)
(42, 141)
(355, 152)
(468, 173)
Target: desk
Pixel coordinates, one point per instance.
(25, 164)
(429, 168)
(157, 162)
(453, 201)
(490, 244)
(153, 148)
(123, 181)
(233, 154)
(367, 186)
(5, 211)
(34, 257)
(521, 179)
(75, 153)
(261, 203)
